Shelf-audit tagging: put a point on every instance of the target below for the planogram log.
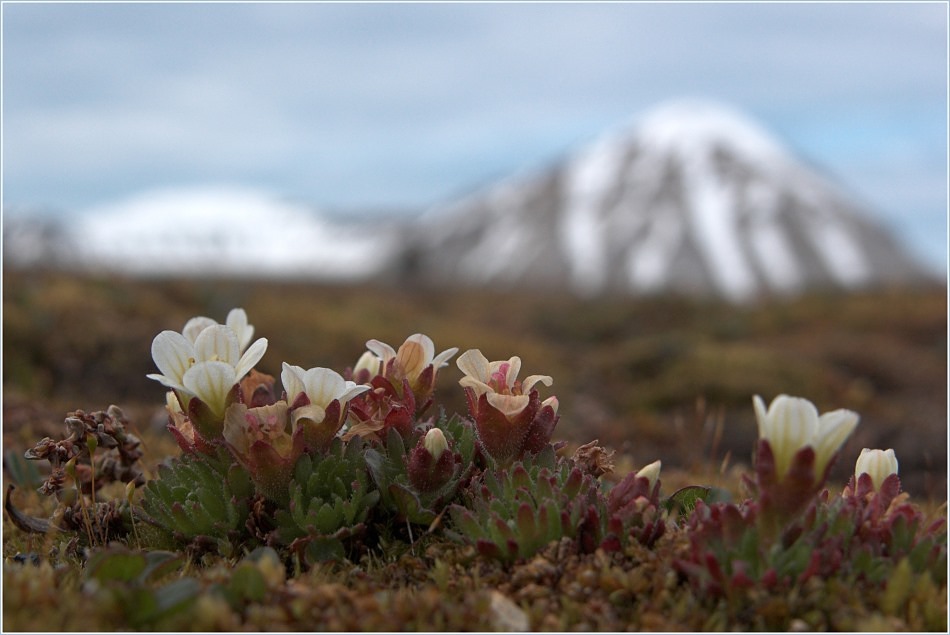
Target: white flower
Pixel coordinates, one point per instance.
(499, 382)
(204, 360)
(878, 464)
(321, 385)
(236, 321)
(792, 423)
(415, 354)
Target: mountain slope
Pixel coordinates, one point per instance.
(692, 198)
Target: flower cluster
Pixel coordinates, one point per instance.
(330, 464)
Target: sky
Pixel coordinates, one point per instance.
(401, 107)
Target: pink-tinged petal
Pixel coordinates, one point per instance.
(217, 343)
(834, 428)
(195, 326)
(531, 380)
(442, 359)
(235, 429)
(508, 405)
(323, 385)
(474, 365)
(251, 357)
(291, 378)
(514, 367)
(382, 350)
(237, 322)
(173, 354)
(211, 382)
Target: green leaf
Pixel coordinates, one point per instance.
(247, 584)
(121, 565)
(683, 500)
(323, 548)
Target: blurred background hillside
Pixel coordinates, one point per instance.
(656, 378)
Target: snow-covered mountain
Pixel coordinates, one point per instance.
(691, 198)
(219, 230)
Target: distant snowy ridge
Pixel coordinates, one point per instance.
(224, 230)
(691, 198)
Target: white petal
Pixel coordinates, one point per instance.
(173, 354)
(480, 388)
(383, 351)
(834, 428)
(291, 377)
(217, 343)
(351, 390)
(761, 416)
(166, 381)
(651, 472)
(551, 401)
(323, 385)
(442, 359)
(792, 423)
(531, 380)
(474, 365)
(368, 361)
(251, 357)
(508, 405)
(211, 382)
(237, 322)
(415, 354)
(195, 326)
(514, 367)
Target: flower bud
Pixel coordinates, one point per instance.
(651, 472)
(878, 464)
(435, 443)
(430, 466)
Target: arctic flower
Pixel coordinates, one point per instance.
(878, 464)
(261, 439)
(792, 423)
(412, 359)
(510, 418)
(205, 360)
(499, 382)
(236, 321)
(318, 399)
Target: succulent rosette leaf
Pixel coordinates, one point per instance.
(513, 512)
(330, 497)
(200, 498)
(418, 477)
